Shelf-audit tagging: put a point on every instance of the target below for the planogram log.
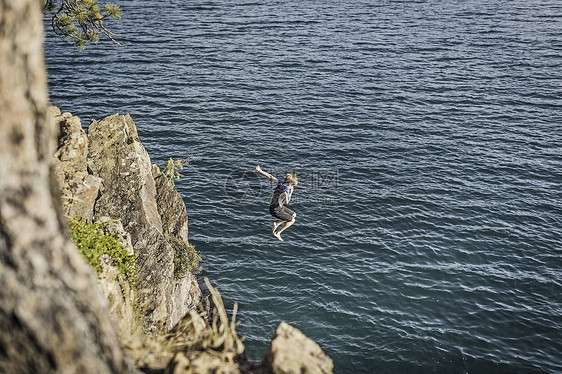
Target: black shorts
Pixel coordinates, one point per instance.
(281, 212)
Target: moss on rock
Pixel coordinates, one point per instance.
(186, 258)
(94, 242)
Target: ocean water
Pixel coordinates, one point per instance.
(427, 136)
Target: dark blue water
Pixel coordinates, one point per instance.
(428, 140)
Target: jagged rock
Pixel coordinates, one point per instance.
(129, 193)
(125, 185)
(291, 352)
(119, 294)
(79, 189)
(149, 214)
(118, 157)
(186, 296)
(186, 293)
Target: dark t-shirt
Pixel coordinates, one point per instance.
(281, 194)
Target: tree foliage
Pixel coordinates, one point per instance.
(79, 22)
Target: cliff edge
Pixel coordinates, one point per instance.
(106, 175)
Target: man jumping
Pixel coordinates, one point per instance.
(281, 196)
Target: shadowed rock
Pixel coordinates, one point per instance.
(171, 206)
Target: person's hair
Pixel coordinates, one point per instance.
(291, 178)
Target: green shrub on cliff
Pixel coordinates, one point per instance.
(93, 242)
(173, 167)
(172, 170)
(186, 258)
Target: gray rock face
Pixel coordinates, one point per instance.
(186, 293)
(119, 294)
(129, 193)
(118, 157)
(79, 189)
(291, 352)
(108, 173)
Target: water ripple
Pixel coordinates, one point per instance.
(428, 142)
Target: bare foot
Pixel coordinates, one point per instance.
(278, 236)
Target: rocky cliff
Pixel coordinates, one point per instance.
(107, 174)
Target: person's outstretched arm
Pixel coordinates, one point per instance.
(267, 175)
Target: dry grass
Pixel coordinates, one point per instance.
(201, 342)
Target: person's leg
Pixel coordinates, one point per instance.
(276, 225)
(285, 227)
(276, 234)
